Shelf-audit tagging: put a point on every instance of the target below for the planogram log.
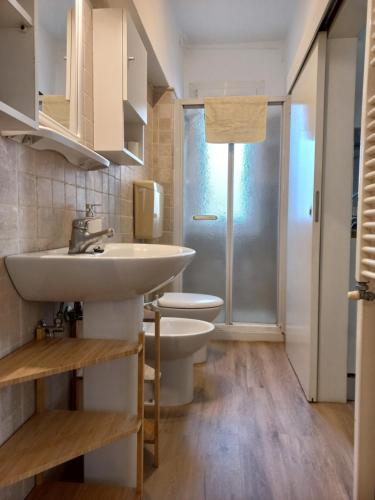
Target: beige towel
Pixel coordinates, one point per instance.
(236, 119)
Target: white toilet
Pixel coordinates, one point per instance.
(191, 305)
(180, 338)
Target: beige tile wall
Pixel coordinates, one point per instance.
(162, 143)
(87, 111)
(40, 195)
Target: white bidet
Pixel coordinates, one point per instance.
(180, 338)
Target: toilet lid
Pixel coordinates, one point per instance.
(189, 301)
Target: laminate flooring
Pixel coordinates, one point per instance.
(250, 434)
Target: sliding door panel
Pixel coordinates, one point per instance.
(303, 241)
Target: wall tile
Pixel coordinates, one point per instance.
(58, 194)
(8, 222)
(26, 190)
(71, 196)
(81, 199)
(70, 175)
(26, 159)
(27, 223)
(8, 185)
(44, 192)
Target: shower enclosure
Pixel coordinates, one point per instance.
(230, 217)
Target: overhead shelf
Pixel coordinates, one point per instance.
(42, 358)
(51, 438)
(123, 157)
(13, 15)
(77, 491)
(11, 119)
(46, 139)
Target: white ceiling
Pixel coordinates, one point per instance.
(233, 21)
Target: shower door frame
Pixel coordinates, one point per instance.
(228, 330)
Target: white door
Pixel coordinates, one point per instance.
(364, 438)
(303, 236)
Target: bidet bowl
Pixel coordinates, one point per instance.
(123, 271)
(179, 337)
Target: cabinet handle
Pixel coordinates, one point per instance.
(131, 58)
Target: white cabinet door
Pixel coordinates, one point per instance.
(135, 67)
(303, 237)
(364, 436)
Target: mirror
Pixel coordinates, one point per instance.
(57, 64)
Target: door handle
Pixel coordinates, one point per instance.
(317, 206)
(361, 292)
(204, 217)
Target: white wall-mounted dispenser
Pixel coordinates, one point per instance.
(148, 210)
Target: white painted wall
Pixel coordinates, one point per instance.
(161, 28)
(260, 62)
(305, 24)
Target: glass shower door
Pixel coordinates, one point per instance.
(204, 194)
(253, 296)
(255, 225)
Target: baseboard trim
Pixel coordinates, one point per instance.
(248, 333)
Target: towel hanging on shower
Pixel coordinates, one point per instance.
(238, 119)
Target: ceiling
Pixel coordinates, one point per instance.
(233, 21)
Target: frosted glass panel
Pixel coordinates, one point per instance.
(255, 214)
(255, 218)
(205, 193)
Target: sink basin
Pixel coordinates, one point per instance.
(122, 271)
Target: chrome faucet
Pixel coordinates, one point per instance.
(81, 238)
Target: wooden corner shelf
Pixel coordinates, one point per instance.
(42, 358)
(13, 15)
(51, 438)
(149, 431)
(79, 491)
(151, 425)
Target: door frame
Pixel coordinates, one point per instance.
(238, 330)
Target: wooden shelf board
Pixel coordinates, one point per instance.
(13, 15)
(149, 431)
(42, 358)
(77, 491)
(51, 438)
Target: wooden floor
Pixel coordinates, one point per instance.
(251, 435)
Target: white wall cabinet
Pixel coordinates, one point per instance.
(120, 87)
(19, 111)
(18, 104)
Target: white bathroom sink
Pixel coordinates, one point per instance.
(122, 271)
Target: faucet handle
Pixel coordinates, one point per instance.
(82, 224)
(90, 209)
